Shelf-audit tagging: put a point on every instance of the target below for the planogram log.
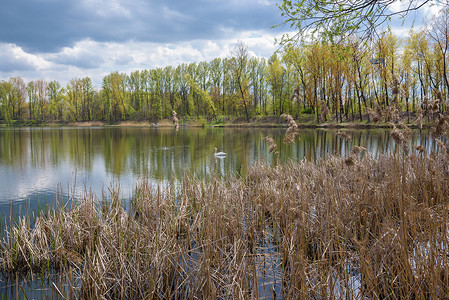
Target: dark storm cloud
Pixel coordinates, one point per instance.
(49, 25)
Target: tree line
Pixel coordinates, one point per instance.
(349, 80)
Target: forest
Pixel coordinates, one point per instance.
(347, 81)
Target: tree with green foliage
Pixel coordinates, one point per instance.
(240, 54)
(276, 78)
(116, 103)
(13, 99)
(56, 98)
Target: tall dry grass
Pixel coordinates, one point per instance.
(325, 230)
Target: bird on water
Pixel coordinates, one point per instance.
(219, 154)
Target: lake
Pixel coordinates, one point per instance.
(36, 163)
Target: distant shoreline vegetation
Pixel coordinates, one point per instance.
(231, 122)
(340, 82)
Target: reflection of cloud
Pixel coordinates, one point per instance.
(18, 185)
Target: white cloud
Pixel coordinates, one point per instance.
(97, 59)
(14, 58)
(85, 54)
(433, 9)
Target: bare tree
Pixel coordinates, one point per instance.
(240, 53)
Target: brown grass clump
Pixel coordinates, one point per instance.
(165, 123)
(133, 124)
(297, 230)
(86, 124)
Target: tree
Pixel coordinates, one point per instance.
(240, 53)
(5, 104)
(342, 18)
(42, 100)
(439, 34)
(115, 100)
(14, 98)
(55, 93)
(276, 78)
(359, 73)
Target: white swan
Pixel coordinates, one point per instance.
(219, 154)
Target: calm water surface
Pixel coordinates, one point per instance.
(37, 162)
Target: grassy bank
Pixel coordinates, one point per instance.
(339, 228)
(309, 121)
(303, 120)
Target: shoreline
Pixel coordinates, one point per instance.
(264, 122)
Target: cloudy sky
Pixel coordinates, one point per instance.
(65, 39)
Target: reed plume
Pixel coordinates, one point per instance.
(175, 120)
(292, 130)
(373, 115)
(426, 102)
(324, 110)
(419, 112)
(358, 149)
(401, 137)
(440, 126)
(344, 136)
(442, 145)
(296, 95)
(395, 89)
(272, 144)
(420, 148)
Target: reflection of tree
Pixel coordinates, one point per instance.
(164, 154)
(13, 148)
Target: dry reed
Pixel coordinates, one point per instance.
(324, 110)
(292, 130)
(297, 230)
(175, 120)
(272, 146)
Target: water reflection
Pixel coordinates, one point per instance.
(36, 160)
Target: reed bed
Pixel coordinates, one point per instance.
(375, 228)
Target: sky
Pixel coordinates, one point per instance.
(66, 39)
